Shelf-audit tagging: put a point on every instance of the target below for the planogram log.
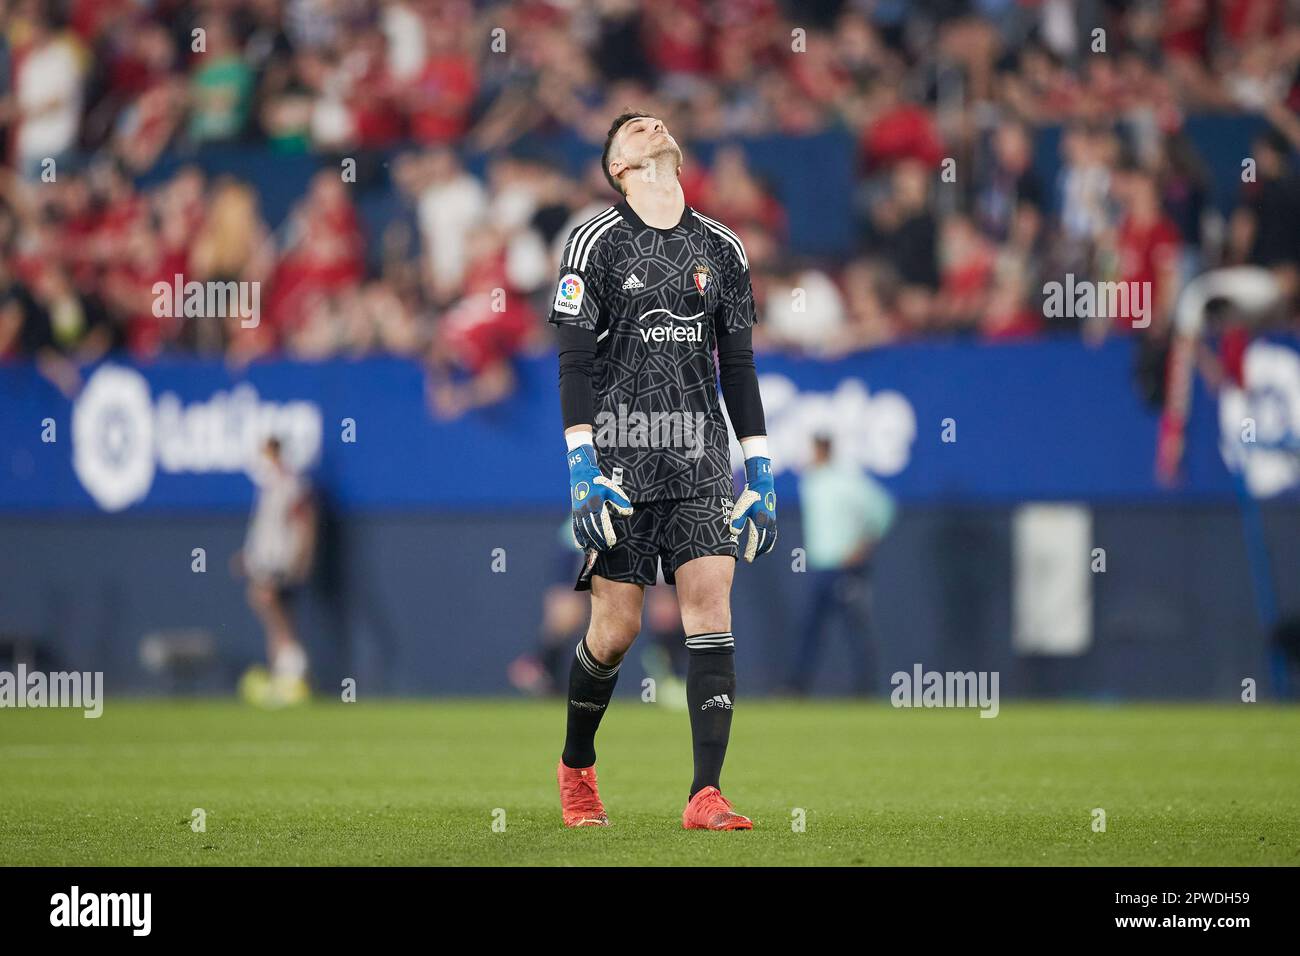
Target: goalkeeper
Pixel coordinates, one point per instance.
(648, 290)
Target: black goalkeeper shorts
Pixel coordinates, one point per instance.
(662, 532)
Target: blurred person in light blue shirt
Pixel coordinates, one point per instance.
(845, 515)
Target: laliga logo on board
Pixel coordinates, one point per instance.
(875, 432)
(112, 437)
(121, 437)
(1271, 399)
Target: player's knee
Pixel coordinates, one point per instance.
(609, 642)
(704, 593)
(615, 621)
(707, 614)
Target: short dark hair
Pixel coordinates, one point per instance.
(619, 122)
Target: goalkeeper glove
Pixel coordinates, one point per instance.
(756, 508)
(590, 492)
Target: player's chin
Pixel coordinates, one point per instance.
(666, 148)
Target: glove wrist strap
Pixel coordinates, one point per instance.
(578, 439)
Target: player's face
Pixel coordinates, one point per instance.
(645, 139)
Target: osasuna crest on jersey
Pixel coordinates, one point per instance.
(657, 300)
(702, 277)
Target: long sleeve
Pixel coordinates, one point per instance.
(739, 381)
(577, 358)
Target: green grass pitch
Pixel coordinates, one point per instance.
(422, 782)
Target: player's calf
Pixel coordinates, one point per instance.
(591, 685)
(710, 695)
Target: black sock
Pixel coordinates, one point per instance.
(591, 685)
(710, 691)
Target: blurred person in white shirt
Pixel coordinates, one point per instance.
(450, 205)
(276, 559)
(46, 104)
(804, 311)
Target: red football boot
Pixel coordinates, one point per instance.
(578, 797)
(710, 810)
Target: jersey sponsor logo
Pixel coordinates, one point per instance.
(568, 296)
(673, 333)
(702, 277)
(632, 282)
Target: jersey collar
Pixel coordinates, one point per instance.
(632, 219)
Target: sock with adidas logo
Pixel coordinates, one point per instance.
(710, 691)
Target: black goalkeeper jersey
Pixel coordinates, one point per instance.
(657, 300)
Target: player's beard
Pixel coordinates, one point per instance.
(666, 157)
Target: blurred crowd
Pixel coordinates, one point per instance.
(943, 100)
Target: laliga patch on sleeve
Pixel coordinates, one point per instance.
(568, 297)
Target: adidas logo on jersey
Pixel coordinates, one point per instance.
(717, 700)
(632, 282)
